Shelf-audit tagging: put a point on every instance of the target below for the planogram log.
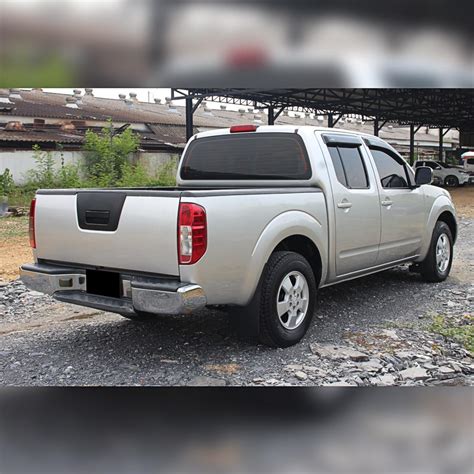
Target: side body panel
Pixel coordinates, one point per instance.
(356, 228)
(243, 231)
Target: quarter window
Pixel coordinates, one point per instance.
(392, 170)
(349, 167)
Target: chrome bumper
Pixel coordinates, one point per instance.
(155, 296)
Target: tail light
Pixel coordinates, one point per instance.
(192, 233)
(31, 226)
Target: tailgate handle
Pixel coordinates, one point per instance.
(97, 217)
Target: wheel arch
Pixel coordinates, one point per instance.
(448, 218)
(305, 247)
(441, 210)
(291, 230)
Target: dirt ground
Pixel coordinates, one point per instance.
(14, 246)
(15, 249)
(464, 201)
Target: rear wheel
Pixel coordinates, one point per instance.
(451, 181)
(437, 264)
(287, 299)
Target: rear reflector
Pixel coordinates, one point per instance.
(192, 233)
(243, 128)
(31, 226)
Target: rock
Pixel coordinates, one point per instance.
(340, 383)
(334, 352)
(301, 375)
(414, 373)
(69, 370)
(293, 367)
(272, 381)
(405, 355)
(445, 370)
(391, 333)
(372, 365)
(202, 381)
(257, 380)
(386, 380)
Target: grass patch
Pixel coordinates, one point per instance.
(461, 331)
(11, 227)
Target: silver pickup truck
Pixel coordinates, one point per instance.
(261, 218)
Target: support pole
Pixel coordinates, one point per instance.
(330, 120)
(271, 115)
(376, 127)
(440, 151)
(189, 118)
(412, 144)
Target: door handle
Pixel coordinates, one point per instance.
(344, 205)
(386, 203)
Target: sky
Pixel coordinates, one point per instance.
(113, 93)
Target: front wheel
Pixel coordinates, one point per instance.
(437, 264)
(287, 299)
(451, 181)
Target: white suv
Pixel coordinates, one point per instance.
(444, 174)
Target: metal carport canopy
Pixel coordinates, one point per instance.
(437, 108)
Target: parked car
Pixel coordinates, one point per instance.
(444, 174)
(261, 218)
(468, 164)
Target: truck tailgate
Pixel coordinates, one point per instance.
(109, 229)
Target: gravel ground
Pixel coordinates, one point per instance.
(372, 331)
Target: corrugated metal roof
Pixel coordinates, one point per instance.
(39, 137)
(48, 105)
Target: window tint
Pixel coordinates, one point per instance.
(247, 156)
(470, 161)
(349, 167)
(391, 170)
(337, 163)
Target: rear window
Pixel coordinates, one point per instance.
(247, 156)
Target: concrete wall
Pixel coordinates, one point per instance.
(20, 161)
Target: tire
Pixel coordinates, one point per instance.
(276, 293)
(451, 181)
(435, 269)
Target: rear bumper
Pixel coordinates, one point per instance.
(150, 295)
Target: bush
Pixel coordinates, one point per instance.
(106, 156)
(47, 175)
(6, 183)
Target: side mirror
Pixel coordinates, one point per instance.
(423, 175)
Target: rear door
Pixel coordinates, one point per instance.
(356, 204)
(132, 230)
(401, 205)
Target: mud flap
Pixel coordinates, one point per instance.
(246, 319)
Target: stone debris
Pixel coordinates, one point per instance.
(334, 352)
(202, 381)
(301, 375)
(414, 373)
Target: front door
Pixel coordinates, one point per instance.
(356, 208)
(402, 208)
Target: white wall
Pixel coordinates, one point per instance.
(19, 162)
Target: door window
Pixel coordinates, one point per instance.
(392, 170)
(349, 167)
